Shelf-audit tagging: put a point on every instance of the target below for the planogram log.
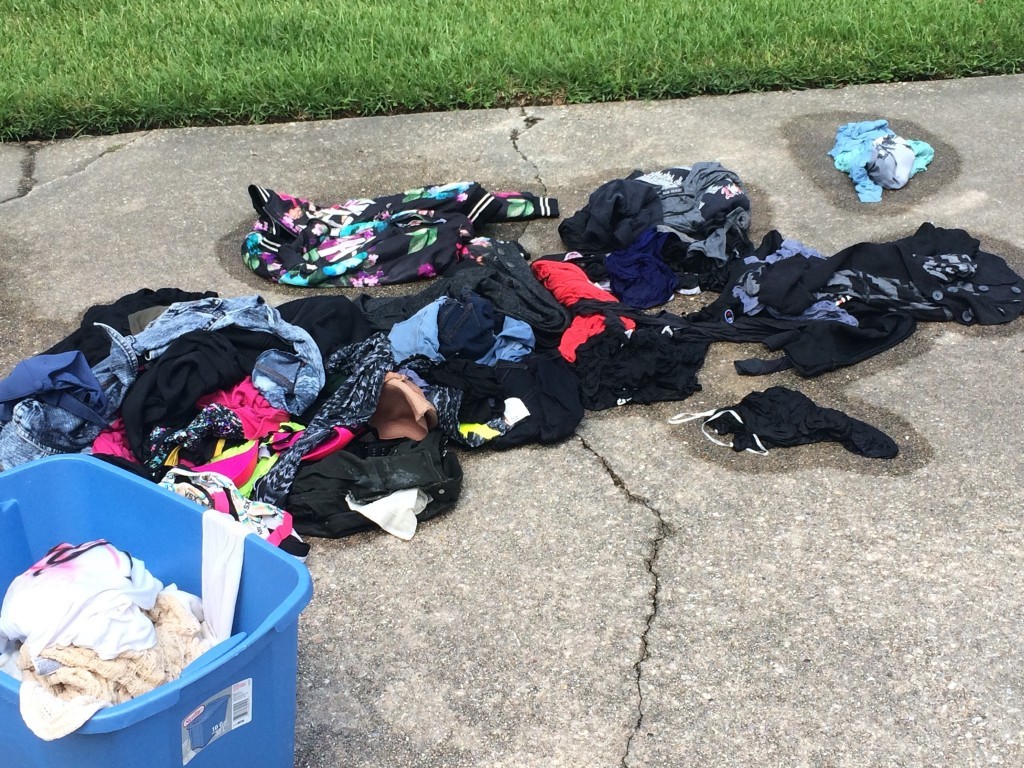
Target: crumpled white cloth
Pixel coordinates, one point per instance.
(91, 595)
(396, 512)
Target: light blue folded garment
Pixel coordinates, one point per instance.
(875, 157)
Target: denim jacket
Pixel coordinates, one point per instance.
(289, 381)
(39, 429)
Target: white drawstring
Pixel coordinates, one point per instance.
(680, 418)
(763, 451)
(709, 416)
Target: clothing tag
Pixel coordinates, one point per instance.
(515, 411)
(46, 667)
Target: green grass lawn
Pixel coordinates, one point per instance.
(100, 66)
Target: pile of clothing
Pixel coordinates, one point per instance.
(317, 417)
(653, 233)
(827, 313)
(326, 416)
(642, 239)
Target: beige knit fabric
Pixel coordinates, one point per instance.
(57, 704)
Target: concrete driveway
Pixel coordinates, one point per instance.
(635, 596)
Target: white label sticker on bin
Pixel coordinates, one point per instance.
(219, 714)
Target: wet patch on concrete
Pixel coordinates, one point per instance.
(915, 451)
(23, 330)
(228, 253)
(509, 231)
(829, 390)
(810, 137)
(1013, 253)
(26, 171)
(762, 215)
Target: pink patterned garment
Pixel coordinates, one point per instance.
(259, 418)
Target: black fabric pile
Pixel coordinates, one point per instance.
(933, 275)
(782, 417)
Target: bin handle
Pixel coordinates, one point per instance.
(216, 652)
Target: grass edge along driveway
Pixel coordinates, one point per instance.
(102, 66)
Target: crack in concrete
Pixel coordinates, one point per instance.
(28, 181)
(528, 121)
(662, 532)
(108, 151)
(28, 170)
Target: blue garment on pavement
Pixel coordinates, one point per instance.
(63, 379)
(639, 277)
(875, 157)
(464, 328)
(37, 429)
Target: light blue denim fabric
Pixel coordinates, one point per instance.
(288, 381)
(515, 342)
(418, 334)
(37, 429)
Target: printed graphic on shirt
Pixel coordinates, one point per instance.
(222, 713)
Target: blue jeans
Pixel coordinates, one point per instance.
(418, 334)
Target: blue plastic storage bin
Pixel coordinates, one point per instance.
(247, 681)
